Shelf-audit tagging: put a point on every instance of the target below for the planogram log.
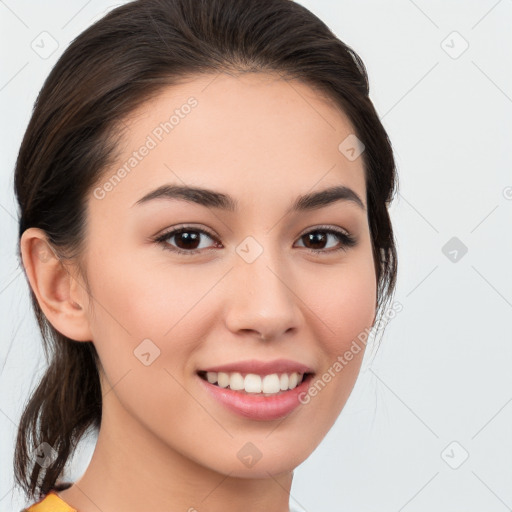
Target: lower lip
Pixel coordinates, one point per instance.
(256, 406)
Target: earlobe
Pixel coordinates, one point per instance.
(53, 286)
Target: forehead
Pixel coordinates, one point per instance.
(255, 134)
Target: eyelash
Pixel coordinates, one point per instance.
(346, 240)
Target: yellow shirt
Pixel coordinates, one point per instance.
(52, 502)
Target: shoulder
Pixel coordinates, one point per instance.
(51, 502)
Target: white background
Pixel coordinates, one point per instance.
(442, 373)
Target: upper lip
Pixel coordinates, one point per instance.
(261, 367)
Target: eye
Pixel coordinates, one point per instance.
(321, 235)
(187, 240)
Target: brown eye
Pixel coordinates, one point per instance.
(187, 240)
(317, 240)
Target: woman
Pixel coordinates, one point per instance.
(203, 189)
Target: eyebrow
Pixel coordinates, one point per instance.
(219, 200)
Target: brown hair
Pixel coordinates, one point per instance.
(109, 70)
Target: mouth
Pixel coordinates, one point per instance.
(267, 385)
(257, 390)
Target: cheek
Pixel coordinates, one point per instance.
(343, 318)
(144, 337)
(351, 309)
(344, 302)
(143, 299)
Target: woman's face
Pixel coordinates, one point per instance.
(262, 286)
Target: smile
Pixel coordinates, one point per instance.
(257, 390)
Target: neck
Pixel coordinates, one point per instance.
(132, 470)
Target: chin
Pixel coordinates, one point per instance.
(262, 455)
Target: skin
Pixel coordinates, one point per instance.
(264, 142)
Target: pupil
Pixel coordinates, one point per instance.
(188, 239)
(316, 237)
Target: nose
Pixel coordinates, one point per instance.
(261, 298)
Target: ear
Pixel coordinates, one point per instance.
(61, 297)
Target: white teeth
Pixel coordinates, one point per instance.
(283, 381)
(253, 383)
(223, 380)
(271, 384)
(236, 381)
